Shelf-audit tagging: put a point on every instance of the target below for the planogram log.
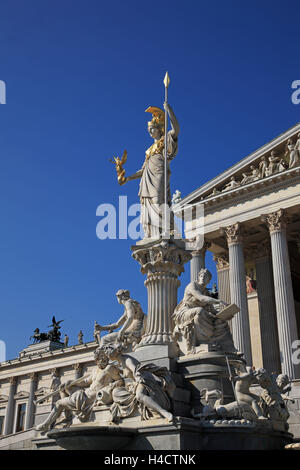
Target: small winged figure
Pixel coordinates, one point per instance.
(55, 334)
(119, 167)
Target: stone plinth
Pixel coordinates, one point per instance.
(39, 348)
(162, 261)
(207, 371)
(184, 434)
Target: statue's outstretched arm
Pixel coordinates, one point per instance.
(135, 176)
(174, 123)
(114, 326)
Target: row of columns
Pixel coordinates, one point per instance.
(275, 294)
(30, 408)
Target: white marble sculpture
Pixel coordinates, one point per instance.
(176, 197)
(246, 404)
(147, 388)
(82, 394)
(152, 173)
(196, 320)
(293, 152)
(132, 323)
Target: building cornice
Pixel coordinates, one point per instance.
(242, 164)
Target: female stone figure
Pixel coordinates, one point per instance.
(147, 387)
(152, 173)
(196, 319)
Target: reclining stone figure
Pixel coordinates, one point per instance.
(148, 387)
(104, 377)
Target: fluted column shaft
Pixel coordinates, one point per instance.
(198, 257)
(238, 294)
(197, 262)
(30, 405)
(267, 314)
(162, 300)
(8, 424)
(223, 278)
(163, 262)
(284, 297)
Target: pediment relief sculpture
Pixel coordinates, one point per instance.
(268, 165)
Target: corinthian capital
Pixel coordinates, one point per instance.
(233, 233)
(276, 221)
(221, 262)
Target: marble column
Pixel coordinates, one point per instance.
(9, 415)
(198, 260)
(284, 297)
(30, 405)
(267, 311)
(162, 261)
(222, 265)
(238, 294)
(78, 370)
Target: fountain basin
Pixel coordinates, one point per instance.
(93, 437)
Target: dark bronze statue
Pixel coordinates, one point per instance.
(53, 335)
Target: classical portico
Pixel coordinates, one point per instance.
(252, 226)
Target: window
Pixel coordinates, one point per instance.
(2, 421)
(20, 426)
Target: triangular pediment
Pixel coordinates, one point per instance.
(21, 394)
(3, 398)
(273, 159)
(41, 391)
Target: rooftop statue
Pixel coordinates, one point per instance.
(132, 324)
(38, 337)
(54, 334)
(198, 322)
(155, 172)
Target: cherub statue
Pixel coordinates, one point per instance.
(119, 167)
(246, 404)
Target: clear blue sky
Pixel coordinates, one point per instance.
(79, 76)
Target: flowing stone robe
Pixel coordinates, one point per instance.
(152, 186)
(156, 381)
